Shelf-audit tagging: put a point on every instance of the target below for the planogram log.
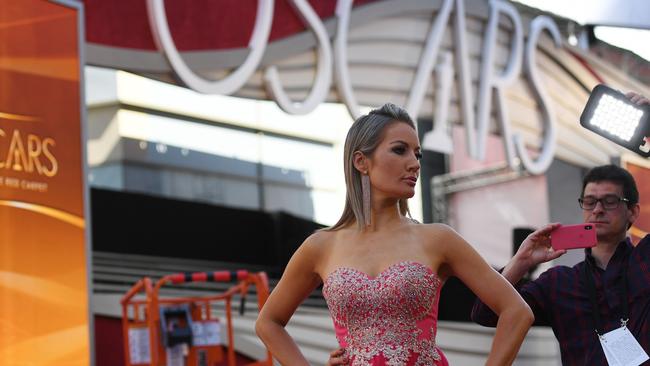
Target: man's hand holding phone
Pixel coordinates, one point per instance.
(548, 243)
(535, 249)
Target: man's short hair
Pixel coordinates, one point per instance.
(616, 175)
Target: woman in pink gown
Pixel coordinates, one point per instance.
(381, 270)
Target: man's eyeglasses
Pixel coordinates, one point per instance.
(609, 202)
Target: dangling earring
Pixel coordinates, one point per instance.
(365, 190)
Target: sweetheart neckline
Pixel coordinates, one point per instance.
(382, 272)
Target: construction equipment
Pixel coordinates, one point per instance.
(182, 331)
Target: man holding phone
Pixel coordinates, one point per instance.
(606, 296)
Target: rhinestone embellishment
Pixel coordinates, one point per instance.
(385, 315)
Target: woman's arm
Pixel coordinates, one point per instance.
(515, 317)
(534, 250)
(298, 281)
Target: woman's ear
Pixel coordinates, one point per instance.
(360, 162)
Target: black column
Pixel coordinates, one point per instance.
(433, 163)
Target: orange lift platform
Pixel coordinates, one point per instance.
(182, 331)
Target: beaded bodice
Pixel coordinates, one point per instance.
(386, 320)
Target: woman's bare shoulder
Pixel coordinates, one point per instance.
(320, 238)
(438, 236)
(434, 229)
(317, 243)
(317, 249)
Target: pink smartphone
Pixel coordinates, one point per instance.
(574, 236)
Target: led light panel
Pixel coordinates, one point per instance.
(616, 117)
(610, 114)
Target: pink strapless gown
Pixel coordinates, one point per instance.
(388, 320)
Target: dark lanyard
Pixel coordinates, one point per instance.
(591, 291)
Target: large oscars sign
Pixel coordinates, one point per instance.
(332, 63)
(44, 313)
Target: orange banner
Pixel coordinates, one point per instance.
(641, 175)
(43, 251)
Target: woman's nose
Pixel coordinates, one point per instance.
(414, 164)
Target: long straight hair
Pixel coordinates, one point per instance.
(364, 136)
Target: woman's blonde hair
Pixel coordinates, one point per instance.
(364, 136)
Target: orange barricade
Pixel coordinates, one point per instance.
(182, 331)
